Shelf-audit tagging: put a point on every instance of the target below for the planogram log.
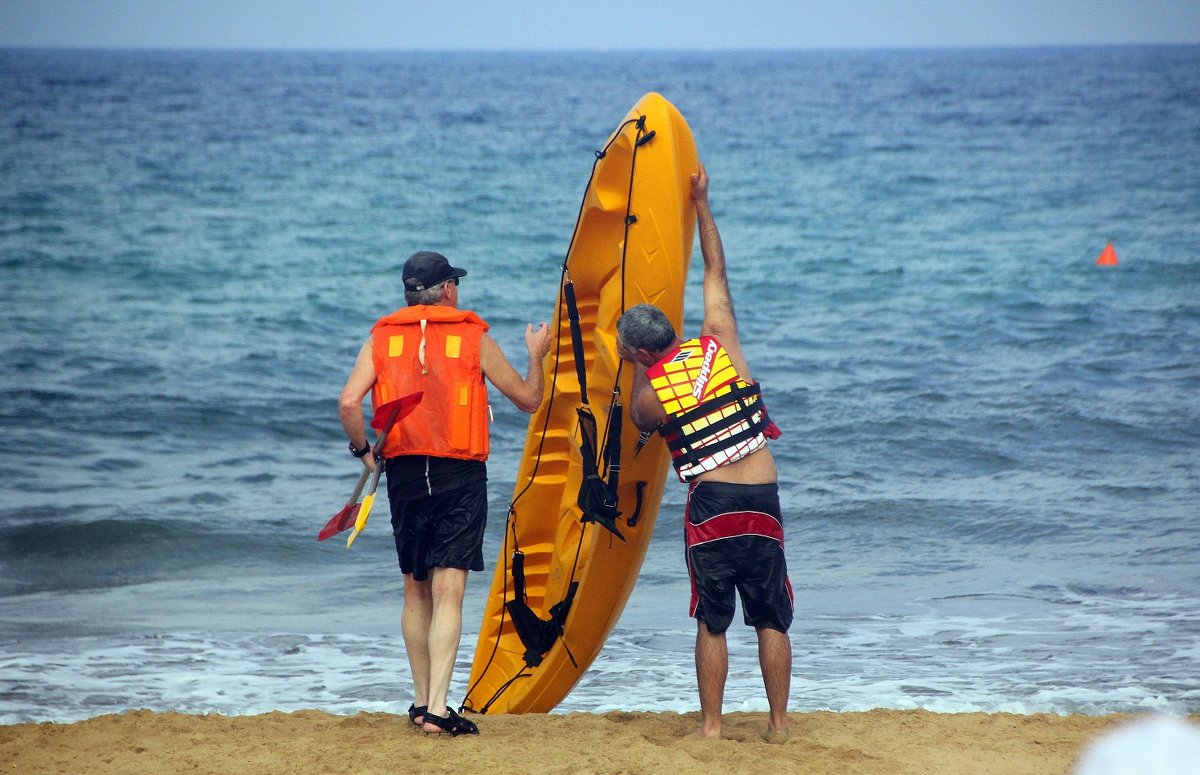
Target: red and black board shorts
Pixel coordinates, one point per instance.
(734, 539)
(441, 531)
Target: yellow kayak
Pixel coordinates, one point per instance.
(561, 583)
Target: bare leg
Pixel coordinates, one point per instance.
(449, 585)
(712, 665)
(775, 661)
(414, 624)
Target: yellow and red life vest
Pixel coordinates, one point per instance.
(434, 349)
(714, 416)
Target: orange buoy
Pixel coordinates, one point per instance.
(1108, 256)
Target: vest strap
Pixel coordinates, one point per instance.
(738, 393)
(685, 454)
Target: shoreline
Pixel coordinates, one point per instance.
(876, 742)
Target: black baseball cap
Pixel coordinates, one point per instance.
(425, 269)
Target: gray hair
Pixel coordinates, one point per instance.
(428, 296)
(645, 326)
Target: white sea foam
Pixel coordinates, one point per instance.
(70, 679)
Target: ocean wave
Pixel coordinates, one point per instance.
(42, 552)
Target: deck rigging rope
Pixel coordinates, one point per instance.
(542, 634)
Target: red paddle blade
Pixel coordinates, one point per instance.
(343, 520)
(385, 417)
(393, 412)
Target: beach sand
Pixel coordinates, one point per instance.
(878, 742)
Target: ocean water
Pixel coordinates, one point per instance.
(990, 467)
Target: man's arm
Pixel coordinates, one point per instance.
(358, 384)
(719, 320)
(645, 409)
(525, 393)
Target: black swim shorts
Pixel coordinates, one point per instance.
(441, 531)
(734, 538)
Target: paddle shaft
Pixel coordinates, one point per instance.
(398, 408)
(362, 480)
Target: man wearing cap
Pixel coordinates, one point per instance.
(699, 396)
(434, 459)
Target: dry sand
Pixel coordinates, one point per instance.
(879, 742)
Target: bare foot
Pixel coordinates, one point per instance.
(777, 736)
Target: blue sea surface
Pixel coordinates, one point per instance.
(990, 467)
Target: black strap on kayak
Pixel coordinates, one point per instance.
(597, 500)
(576, 335)
(637, 509)
(612, 444)
(612, 448)
(597, 497)
(534, 631)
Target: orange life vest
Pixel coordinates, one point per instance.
(434, 349)
(714, 416)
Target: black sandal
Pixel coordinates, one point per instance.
(453, 724)
(417, 712)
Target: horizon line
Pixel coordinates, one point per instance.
(114, 47)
